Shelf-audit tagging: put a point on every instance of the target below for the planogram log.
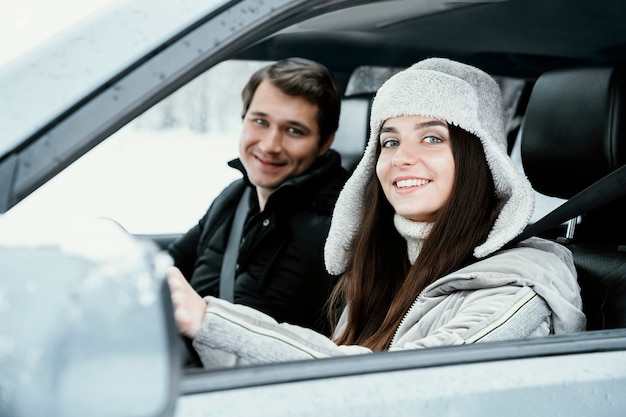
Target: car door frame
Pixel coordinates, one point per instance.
(588, 368)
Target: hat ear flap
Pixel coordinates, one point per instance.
(349, 212)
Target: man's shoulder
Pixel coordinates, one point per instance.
(225, 200)
(332, 178)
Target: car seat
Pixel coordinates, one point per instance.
(573, 135)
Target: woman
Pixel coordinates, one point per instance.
(418, 234)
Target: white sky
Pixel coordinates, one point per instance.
(24, 23)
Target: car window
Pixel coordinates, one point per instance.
(27, 22)
(96, 54)
(368, 79)
(159, 173)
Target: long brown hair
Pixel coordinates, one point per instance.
(380, 284)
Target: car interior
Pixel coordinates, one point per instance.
(563, 153)
(571, 108)
(572, 59)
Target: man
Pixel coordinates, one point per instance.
(290, 115)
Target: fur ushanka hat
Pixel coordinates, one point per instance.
(461, 95)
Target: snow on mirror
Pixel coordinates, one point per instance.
(86, 325)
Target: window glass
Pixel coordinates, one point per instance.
(61, 64)
(28, 22)
(368, 79)
(160, 173)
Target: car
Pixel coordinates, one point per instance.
(91, 127)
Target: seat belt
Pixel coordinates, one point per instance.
(227, 275)
(605, 190)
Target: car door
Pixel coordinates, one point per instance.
(565, 376)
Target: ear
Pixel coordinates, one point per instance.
(326, 144)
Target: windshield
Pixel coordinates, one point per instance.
(29, 23)
(105, 36)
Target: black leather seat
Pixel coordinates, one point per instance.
(574, 133)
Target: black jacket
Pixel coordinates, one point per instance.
(280, 265)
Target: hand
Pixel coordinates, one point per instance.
(189, 307)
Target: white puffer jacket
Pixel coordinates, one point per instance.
(513, 294)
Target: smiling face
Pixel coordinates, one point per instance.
(280, 138)
(416, 166)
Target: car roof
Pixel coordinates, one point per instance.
(521, 38)
(518, 38)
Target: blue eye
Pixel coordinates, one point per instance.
(432, 139)
(389, 143)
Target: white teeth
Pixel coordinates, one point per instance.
(411, 183)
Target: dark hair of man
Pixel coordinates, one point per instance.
(380, 284)
(300, 77)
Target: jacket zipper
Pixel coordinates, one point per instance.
(395, 334)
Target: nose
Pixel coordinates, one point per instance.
(272, 141)
(404, 155)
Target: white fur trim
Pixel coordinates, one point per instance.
(461, 95)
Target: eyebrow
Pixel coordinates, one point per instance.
(418, 126)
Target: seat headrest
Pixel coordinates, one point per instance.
(574, 129)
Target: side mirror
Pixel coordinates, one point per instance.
(87, 326)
